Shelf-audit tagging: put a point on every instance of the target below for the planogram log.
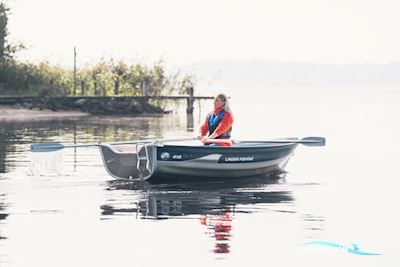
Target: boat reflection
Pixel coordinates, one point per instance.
(219, 227)
(214, 203)
(3, 214)
(150, 200)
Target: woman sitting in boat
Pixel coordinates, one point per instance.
(218, 123)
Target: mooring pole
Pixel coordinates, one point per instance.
(103, 88)
(74, 70)
(190, 100)
(94, 85)
(189, 122)
(189, 110)
(116, 86)
(82, 87)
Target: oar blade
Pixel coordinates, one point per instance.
(46, 147)
(313, 141)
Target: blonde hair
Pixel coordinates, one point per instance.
(225, 99)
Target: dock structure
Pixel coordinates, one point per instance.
(13, 100)
(104, 102)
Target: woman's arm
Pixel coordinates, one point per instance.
(204, 128)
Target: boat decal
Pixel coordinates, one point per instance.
(238, 159)
(165, 156)
(177, 157)
(228, 155)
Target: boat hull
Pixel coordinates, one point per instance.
(194, 161)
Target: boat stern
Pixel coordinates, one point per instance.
(136, 161)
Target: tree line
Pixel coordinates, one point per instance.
(107, 77)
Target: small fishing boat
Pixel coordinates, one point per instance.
(165, 159)
(242, 159)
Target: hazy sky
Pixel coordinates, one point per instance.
(188, 31)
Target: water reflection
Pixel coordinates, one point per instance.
(3, 214)
(314, 223)
(219, 227)
(9, 135)
(16, 136)
(213, 203)
(190, 122)
(152, 200)
(2, 156)
(213, 207)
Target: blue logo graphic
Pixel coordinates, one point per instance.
(354, 249)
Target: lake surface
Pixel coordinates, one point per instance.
(63, 209)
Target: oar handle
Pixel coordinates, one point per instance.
(161, 140)
(219, 141)
(307, 141)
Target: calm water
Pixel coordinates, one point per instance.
(74, 214)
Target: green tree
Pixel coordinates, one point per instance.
(46, 79)
(7, 50)
(3, 29)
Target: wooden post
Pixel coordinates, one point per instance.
(190, 100)
(62, 90)
(74, 70)
(94, 86)
(189, 122)
(51, 85)
(144, 86)
(103, 88)
(199, 106)
(75, 161)
(116, 86)
(82, 87)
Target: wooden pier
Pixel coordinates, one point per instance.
(12, 100)
(104, 104)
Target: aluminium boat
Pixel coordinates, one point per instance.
(192, 160)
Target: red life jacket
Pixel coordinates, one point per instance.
(214, 121)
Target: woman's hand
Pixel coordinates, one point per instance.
(212, 136)
(201, 138)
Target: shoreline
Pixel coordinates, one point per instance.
(98, 105)
(12, 113)
(21, 114)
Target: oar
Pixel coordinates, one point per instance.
(58, 146)
(220, 141)
(55, 147)
(307, 141)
